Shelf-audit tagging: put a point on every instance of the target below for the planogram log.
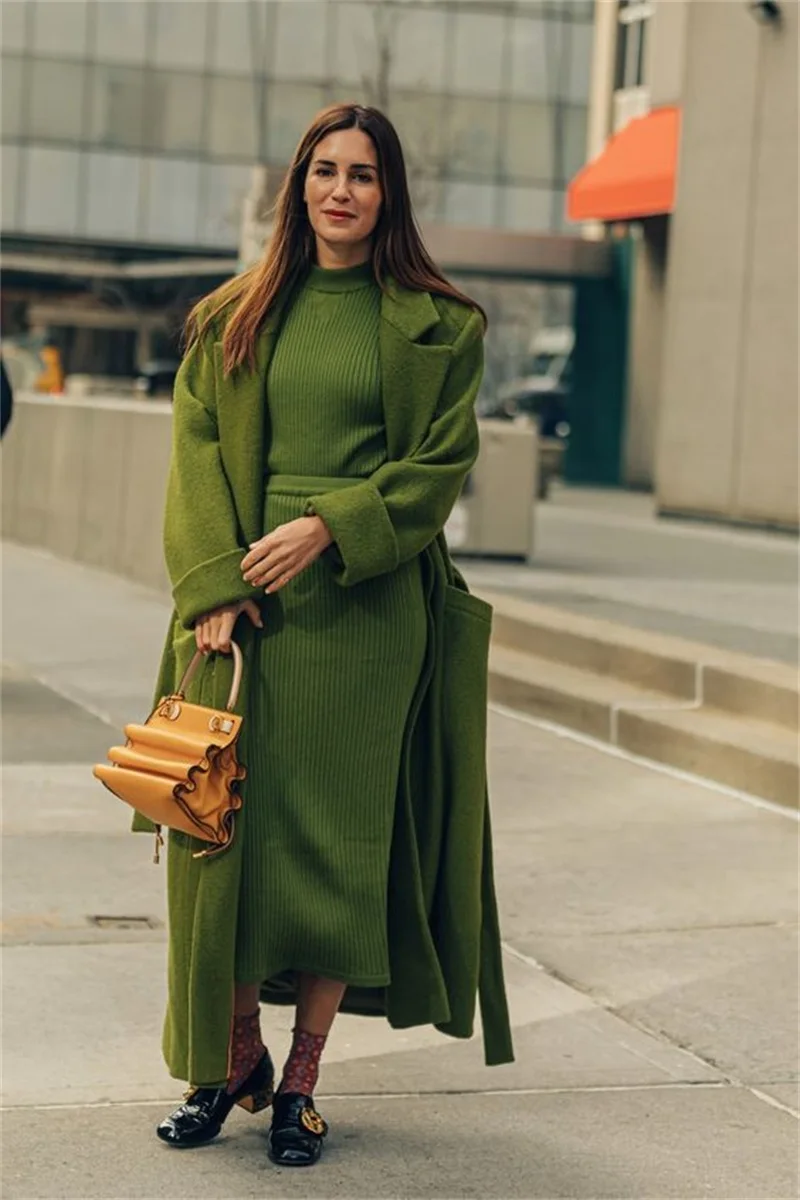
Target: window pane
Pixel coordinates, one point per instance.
(180, 33)
(470, 204)
(528, 208)
(232, 129)
(535, 59)
(11, 111)
(59, 27)
(51, 199)
(172, 202)
(56, 100)
(528, 149)
(419, 49)
(427, 196)
(174, 111)
(121, 30)
(223, 189)
(9, 177)
(473, 137)
(581, 10)
(574, 144)
(290, 107)
(358, 29)
(301, 40)
(479, 46)
(240, 39)
(581, 38)
(574, 10)
(417, 116)
(13, 24)
(112, 203)
(118, 101)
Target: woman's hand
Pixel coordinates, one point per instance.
(213, 631)
(282, 554)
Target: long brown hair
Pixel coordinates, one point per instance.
(397, 246)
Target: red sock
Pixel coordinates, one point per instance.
(247, 1048)
(301, 1071)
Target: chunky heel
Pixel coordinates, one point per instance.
(256, 1102)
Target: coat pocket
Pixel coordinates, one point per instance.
(458, 905)
(457, 600)
(467, 631)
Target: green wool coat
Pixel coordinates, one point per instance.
(443, 928)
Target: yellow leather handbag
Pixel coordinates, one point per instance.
(180, 768)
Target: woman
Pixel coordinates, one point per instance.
(323, 427)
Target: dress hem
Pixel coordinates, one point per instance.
(263, 979)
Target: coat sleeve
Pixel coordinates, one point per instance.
(393, 515)
(202, 543)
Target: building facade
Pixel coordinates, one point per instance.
(138, 122)
(699, 102)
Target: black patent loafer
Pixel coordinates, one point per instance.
(204, 1111)
(295, 1139)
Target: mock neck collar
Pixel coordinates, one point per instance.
(340, 279)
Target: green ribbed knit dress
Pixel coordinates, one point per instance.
(337, 669)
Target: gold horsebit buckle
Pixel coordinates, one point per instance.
(313, 1122)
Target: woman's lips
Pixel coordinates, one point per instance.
(339, 216)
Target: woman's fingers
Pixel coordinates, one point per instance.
(202, 633)
(288, 566)
(221, 638)
(214, 631)
(279, 578)
(253, 612)
(256, 554)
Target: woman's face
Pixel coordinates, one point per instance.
(343, 192)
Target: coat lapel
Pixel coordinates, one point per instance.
(412, 372)
(241, 416)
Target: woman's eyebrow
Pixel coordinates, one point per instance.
(328, 162)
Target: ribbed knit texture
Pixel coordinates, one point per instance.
(325, 415)
(337, 669)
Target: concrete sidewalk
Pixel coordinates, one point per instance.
(650, 927)
(606, 554)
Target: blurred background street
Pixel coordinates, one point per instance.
(616, 182)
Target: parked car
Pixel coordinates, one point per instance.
(542, 394)
(157, 378)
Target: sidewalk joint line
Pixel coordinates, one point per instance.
(773, 1102)
(67, 693)
(507, 948)
(665, 1085)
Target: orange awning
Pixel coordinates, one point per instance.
(634, 176)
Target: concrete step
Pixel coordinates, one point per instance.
(734, 683)
(758, 757)
(560, 693)
(752, 756)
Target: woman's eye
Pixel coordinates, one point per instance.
(363, 177)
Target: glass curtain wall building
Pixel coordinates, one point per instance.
(137, 122)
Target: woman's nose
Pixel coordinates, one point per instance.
(342, 188)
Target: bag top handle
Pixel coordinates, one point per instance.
(238, 667)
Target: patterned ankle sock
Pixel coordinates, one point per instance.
(301, 1070)
(247, 1048)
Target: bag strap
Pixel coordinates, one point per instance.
(238, 667)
